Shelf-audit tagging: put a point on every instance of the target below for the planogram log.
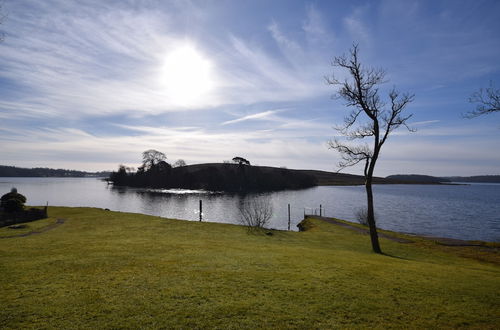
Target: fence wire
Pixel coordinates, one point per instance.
(320, 210)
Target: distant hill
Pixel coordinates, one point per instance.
(324, 178)
(417, 178)
(477, 178)
(12, 171)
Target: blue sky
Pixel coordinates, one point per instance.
(91, 84)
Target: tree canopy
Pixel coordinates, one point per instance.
(240, 161)
(179, 163)
(152, 157)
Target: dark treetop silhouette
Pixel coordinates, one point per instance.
(240, 161)
(151, 157)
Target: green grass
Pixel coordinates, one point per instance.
(105, 269)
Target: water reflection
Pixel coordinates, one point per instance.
(217, 206)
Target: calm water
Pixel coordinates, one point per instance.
(469, 212)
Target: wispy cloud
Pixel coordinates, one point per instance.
(315, 27)
(424, 123)
(260, 77)
(92, 63)
(106, 60)
(354, 23)
(265, 115)
(195, 145)
(292, 51)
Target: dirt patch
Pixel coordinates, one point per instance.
(458, 242)
(49, 227)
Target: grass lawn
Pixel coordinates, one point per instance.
(103, 269)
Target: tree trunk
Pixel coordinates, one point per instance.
(371, 217)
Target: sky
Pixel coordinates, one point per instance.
(89, 85)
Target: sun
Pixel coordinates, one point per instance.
(186, 76)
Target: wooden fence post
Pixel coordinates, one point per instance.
(201, 209)
(288, 216)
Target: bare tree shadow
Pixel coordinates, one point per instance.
(394, 256)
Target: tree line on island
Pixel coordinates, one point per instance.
(14, 171)
(237, 175)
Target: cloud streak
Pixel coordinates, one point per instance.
(263, 147)
(266, 115)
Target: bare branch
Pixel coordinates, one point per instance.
(348, 122)
(351, 155)
(359, 132)
(361, 92)
(394, 119)
(487, 99)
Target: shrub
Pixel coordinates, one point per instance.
(12, 201)
(255, 212)
(13, 205)
(305, 225)
(362, 216)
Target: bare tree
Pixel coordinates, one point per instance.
(152, 157)
(255, 212)
(361, 92)
(362, 216)
(487, 101)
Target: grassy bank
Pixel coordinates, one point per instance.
(103, 269)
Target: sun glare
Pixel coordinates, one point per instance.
(186, 76)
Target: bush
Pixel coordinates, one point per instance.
(12, 201)
(13, 205)
(255, 212)
(362, 216)
(305, 225)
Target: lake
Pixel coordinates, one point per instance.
(470, 212)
